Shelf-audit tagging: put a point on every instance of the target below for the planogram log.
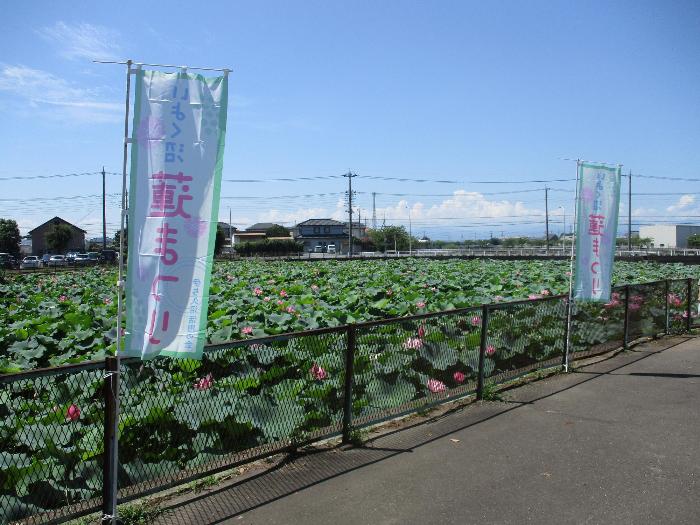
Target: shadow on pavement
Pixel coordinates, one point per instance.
(298, 472)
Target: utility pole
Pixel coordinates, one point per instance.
(230, 233)
(350, 175)
(104, 212)
(384, 231)
(374, 211)
(629, 211)
(546, 218)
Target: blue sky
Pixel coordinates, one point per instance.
(461, 91)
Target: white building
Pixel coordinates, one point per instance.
(669, 235)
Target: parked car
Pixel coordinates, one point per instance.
(7, 261)
(94, 257)
(81, 259)
(331, 248)
(70, 256)
(57, 260)
(30, 261)
(319, 249)
(45, 259)
(110, 256)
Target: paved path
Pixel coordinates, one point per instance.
(615, 442)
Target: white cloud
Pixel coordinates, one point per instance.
(463, 208)
(54, 96)
(683, 202)
(83, 41)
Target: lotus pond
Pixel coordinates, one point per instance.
(248, 398)
(69, 317)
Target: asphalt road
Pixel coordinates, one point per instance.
(614, 442)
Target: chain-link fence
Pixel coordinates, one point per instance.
(182, 419)
(51, 442)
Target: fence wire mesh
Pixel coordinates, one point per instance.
(524, 336)
(181, 419)
(597, 327)
(405, 364)
(51, 443)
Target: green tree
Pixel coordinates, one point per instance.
(387, 237)
(58, 237)
(277, 231)
(9, 236)
(694, 241)
(220, 241)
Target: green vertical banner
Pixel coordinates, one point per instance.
(596, 230)
(176, 162)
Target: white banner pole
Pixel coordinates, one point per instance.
(571, 273)
(114, 460)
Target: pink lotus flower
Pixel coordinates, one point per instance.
(62, 298)
(318, 373)
(258, 291)
(247, 330)
(280, 302)
(420, 304)
(283, 293)
(433, 289)
(229, 277)
(476, 321)
(314, 287)
(107, 300)
(266, 298)
(421, 331)
(534, 296)
(290, 309)
(674, 300)
(73, 413)
(568, 274)
(490, 350)
(204, 383)
(389, 292)
(459, 377)
(436, 386)
(413, 343)
(544, 292)
(498, 298)
(271, 281)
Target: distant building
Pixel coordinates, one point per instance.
(326, 232)
(25, 246)
(228, 230)
(256, 232)
(322, 233)
(38, 236)
(669, 235)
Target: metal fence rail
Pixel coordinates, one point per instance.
(180, 419)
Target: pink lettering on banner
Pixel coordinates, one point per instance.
(164, 326)
(169, 255)
(166, 202)
(154, 285)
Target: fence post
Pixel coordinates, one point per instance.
(625, 334)
(109, 469)
(666, 298)
(689, 311)
(482, 350)
(349, 380)
(567, 321)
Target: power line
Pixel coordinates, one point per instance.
(54, 176)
